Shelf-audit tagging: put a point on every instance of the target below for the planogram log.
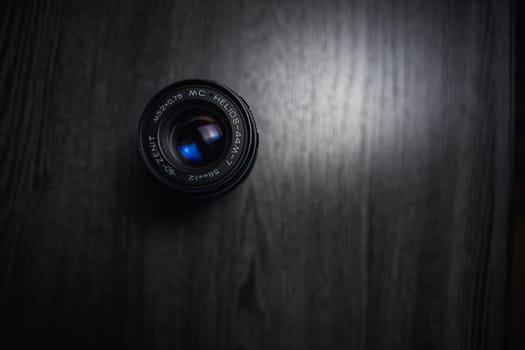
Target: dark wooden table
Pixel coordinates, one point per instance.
(376, 216)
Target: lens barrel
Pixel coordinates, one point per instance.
(198, 137)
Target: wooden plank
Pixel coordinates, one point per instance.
(376, 215)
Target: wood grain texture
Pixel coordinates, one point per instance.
(517, 302)
(376, 216)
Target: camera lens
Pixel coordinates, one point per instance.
(199, 141)
(198, 137)
(194, 136)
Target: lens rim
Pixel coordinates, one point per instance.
(212, 181)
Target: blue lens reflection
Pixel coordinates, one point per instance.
(190, 152)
